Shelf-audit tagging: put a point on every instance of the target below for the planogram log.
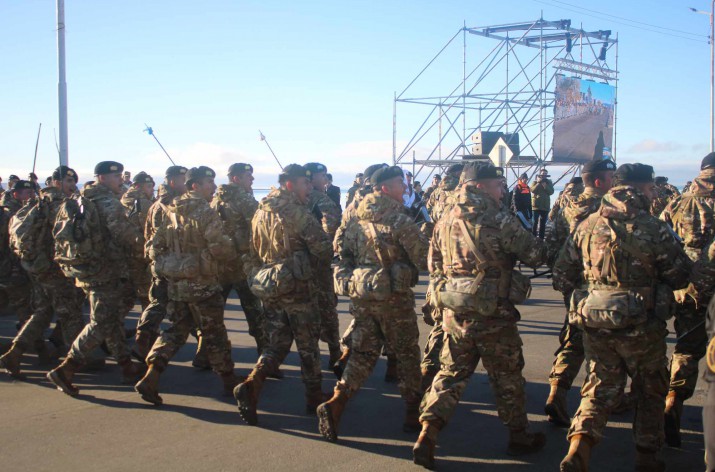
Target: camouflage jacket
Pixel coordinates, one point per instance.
(280, 221)
(572, 213)
(621, 245)
(703, 275)
(440, 198)
(398, 238)
(236, 208)
(10, 203)
(155, 214)
(325, 211)
(137, 207)
(202, 234)
(118, 235)
(349, 214)
(498, 236)
(664, 194)
(570, 192)
(541, 192)
(692, 215)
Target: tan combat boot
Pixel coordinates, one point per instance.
(423, 450)
(579, 454)
(131, 371)
(142, 345)
(247, 393)
(412, 414)
(62, 376)
(522, 441)
(339, 366)
(329, 413)
(148, 386)
(10, 361)
(555, 407)
(313, 398)
(391, 371)
(648, 461)
(230, 381)
(673, 413)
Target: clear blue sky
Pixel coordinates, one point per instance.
(316, 77)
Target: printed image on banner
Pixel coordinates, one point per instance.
(583, 120)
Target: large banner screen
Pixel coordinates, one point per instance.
(583, 119)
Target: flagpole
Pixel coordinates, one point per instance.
(150, 131)
(62, 84)
(263, 138)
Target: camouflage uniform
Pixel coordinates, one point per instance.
(236, 208)
(13, 278)
(137, 207)
(692, 217)
(570, 192)
(491, 335)
(438, 200)
(644, 261)
(194, 303)
(664, 194)
(293, 317)
(110, 292)
(328, 214)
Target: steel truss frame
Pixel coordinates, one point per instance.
(525, 59)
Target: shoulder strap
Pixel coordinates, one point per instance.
(372, 235)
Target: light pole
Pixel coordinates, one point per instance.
(711, 14)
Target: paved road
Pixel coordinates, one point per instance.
(109, 428)
(577, 136)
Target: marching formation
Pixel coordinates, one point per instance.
(627, 250)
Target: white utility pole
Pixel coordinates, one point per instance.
(711, 40)
(62, 84)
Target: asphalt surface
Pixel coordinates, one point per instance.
(109, 428)
(577, 136)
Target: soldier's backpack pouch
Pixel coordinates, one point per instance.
(75, 230)
(341, 281)
(272, 281)
(520, 288)
(370, 284)
(176, 266)
(467, 295)
(403, 277)
(613, 309)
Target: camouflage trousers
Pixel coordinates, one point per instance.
(327, 303)
(141, 279)
(155, 312)
(569, 357)
(109, 304)
(393, 326)
(205, 315)
(435, 341)
(19, 299)
(53, 294)
(610, 359)
(688, 350)
(347, 339)
(288, 321)
(498, 344)
(252, 308)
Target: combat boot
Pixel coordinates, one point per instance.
(423, 450)
(148, 386)
(579, 454)
(521, 442)
(247, 393)
(555, 407)
(131, 371)
(412, 414)
(46, 352)
(314, 397)
(391, 371)
(142, 345)
(201, 359)
(329, 413)
(648, 461)
(673, 413)
(62, 376)
(339, 367)
(10, 361)
(230, 381)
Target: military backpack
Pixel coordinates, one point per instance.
(76, 230)
(29, 230)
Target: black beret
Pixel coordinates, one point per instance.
(142, 178)
(475, 171)
(239, 168)
(638, 173)
(598, 166)
(455, 169)
(384, 174)
(294, 171)
(63, 171)
(661, 180)
(708, 161)
(359, 174)
(23, 184)
(173, 171)
(13, 177)
(108, 167)
(371, 170)
(315, 167)
(31, 176)
(199, 172)
(576, 180)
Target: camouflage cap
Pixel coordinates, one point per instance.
(108, 167)
(62, 171)
(239, 168)
(476, 171)
(637, 173)
(385, 173)
(198, 173)
(708, 161)
(294, 171)
(598, 165)
(22, 185)
(174, 171)
(315, 167)
(143, 178)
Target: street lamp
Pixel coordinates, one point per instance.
(711, 14)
